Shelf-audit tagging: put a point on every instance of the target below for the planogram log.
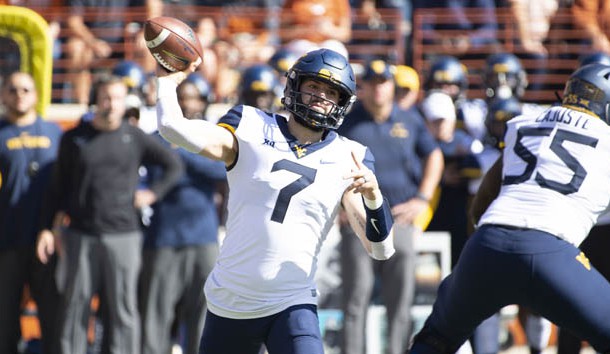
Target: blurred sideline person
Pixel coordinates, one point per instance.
(181, 242)
(407, 86)
(28, 149)
(135, 78)
(397, 138)
(550, 170)
(95, 184)
(461, 166)
(287, 180)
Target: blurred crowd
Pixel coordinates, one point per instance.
(92, 36)
(149, 281)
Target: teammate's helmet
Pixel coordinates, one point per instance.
(588, 90)
(447, 70)
(131, 72)
(504, 76)
(257, 80)
(282, 60)
(202, 85)
(500, 111)
(597, 57)
(330, 67)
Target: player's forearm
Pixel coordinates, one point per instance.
(378, 228)
(378, 242)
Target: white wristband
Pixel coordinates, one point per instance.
(383, 250)
(374, 204)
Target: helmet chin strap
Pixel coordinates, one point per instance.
(306, 123)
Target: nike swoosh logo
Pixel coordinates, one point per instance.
(374, 223)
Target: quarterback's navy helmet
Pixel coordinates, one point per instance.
(202, 85)
(331, 68)
(131, 72)
(588, 90)
(504, 76)
(597, 57)
(447, 70)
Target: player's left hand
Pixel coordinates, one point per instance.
(364, 181)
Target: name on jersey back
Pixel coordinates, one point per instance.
(576, 119)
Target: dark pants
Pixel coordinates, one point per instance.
(295, 330)
(596, 247)
(19, 267)
(501, 266)
(172, 281)
(110, 264)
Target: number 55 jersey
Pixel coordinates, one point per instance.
(559, 158)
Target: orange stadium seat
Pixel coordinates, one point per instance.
(564, 45)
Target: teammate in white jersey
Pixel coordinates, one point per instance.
(287, 179)
(535, 206)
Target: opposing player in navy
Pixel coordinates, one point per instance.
(287, 178)
(535, 206)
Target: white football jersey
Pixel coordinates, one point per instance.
(555, 175)
(473, 113)
(283, 201)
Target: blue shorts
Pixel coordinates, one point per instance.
(295, 330)
(500, 266)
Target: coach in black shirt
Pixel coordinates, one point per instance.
(95, 184)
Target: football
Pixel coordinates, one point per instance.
(172, 42)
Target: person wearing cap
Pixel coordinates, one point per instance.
(459, 150)
(407, 86)
(409, 165)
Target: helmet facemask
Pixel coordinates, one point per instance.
(294, 103)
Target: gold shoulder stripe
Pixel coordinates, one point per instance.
(227, 127)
